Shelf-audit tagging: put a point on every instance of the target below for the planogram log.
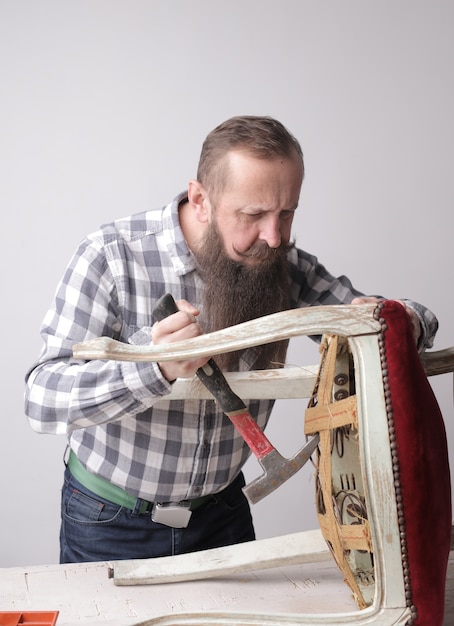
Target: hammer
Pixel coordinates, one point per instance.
(277, 469)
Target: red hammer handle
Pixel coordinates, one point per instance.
(251, 433)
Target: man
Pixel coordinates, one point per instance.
(223, 249)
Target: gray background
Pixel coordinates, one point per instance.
(104, 106)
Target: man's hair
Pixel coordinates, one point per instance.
(261, 137)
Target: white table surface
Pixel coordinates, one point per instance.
(84, 594)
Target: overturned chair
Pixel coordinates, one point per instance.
(383, 495)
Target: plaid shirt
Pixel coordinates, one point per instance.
(115, 414)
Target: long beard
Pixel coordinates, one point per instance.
(236, 292)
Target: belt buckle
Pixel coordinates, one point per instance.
(173, 514)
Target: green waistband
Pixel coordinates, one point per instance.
(104, 489)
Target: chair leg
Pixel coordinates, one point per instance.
(293, 549)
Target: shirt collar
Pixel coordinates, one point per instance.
(182, 258)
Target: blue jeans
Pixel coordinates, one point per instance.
(94, 529)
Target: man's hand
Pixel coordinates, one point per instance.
(411, 314)
(177, 327)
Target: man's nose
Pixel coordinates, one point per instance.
(271, 233)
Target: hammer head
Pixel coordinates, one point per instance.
(278, 469)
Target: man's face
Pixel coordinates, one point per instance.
(242, 253)
(257, 206)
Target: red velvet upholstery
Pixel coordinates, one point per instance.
(422, 475)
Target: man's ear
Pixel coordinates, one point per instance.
(199, 201)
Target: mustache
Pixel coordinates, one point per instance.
(263, 253)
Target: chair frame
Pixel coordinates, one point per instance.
(362, 330)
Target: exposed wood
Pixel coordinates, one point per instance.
(439, 361)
